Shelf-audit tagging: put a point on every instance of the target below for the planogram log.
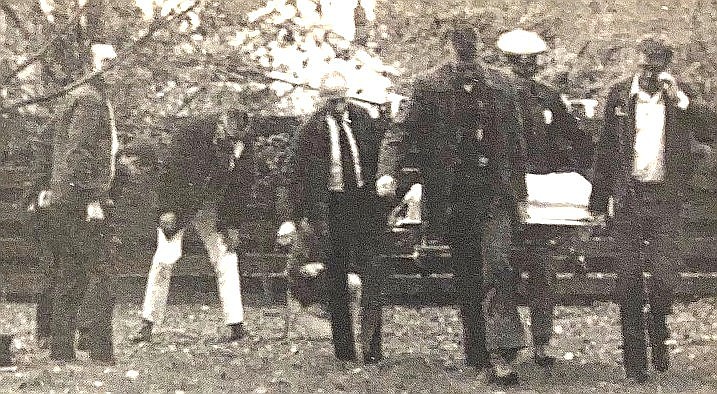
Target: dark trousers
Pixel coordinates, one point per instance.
(648, 232)
(486, 293)
(355, 235)
(83, 271)
(540, 296)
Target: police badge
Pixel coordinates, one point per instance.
(479, 134)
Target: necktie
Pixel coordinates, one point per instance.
(336, 171)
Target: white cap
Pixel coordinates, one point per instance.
(101, 52)
(521, 42)
(333, 84)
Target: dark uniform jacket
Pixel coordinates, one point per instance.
(72, 153)
(615, 150)
(552, 140)
(465, 127)
(198, 167)
(308, 178)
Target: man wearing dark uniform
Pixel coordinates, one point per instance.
(462, 119)
(551, 142)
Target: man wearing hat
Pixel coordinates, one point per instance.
(75, 194)
(462, 119)
(644, 162)
(333, 168)
(551, 142)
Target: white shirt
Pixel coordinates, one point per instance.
(649, 156)
(336, 170)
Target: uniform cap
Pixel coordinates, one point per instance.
(521, 42)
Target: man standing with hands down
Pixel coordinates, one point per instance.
(462, 118)
(332, 173)
(644, 162)
(75, 195)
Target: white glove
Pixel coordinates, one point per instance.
(94, 211)
(386, 186)
(44, 199)
(285, 234)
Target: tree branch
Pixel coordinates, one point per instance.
(154, 27)
(43, 50)
(12, 15)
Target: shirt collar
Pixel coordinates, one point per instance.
(642, 95)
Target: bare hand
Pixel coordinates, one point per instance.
(94, 211)
(286, 233)
(44, 199)
(386, 186)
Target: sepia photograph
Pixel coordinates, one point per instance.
(364, 196)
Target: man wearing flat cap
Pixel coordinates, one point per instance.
(551, 142)
(331, 187)
(462, 120)
(644, 162)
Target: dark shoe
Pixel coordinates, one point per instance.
(238, 332)
(145, 333)
(83, 341)
(501, 372)
(43, 342)
(637, 376)
(62, 348)
(541, 357)
(502, 377)
(660, 358)
(372, 358)
(5, 356)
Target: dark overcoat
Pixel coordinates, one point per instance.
(616, 147)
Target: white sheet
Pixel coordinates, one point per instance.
(558, 199)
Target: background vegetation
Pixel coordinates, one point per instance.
(185, 57)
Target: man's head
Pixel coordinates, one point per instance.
(234, 122)
(655, 57)
(464, 40)
(522, 48)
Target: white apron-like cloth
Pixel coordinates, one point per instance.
(223, 260)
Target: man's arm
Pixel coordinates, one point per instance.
(512, 173)
(41, 163)
(581, 149)
(296, 176)
(695, 115)
(606, 162)
(400, 136)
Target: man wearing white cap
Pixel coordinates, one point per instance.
(76, 196)
(333, 168)
(551, 142)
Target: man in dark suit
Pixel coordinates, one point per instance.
(75, 196)
(333, 169)
(206, 182)
(644, 163)
(551, 142)
(462, 119)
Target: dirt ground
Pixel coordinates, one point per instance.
(422, 348)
